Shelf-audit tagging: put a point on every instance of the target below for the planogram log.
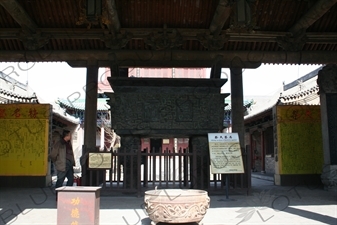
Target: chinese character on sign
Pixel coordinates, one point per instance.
(2, 113)
(32, 113)
(74, 223)
(16, 113)
(75, 213)
(75, 201)
(308, 114)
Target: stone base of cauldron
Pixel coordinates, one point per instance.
(176, 206)
(161, 223)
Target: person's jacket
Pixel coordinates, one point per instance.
(58, 155)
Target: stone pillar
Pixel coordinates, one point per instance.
(90, 120)
(327, 81)
(130, 144)
(200, 163)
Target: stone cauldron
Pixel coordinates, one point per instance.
(176, 205)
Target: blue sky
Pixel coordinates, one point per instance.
(53, 80)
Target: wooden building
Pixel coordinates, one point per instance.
(284, 133)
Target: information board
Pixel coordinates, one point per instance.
(99, 160)
(24, 139)
(225, 153)
(299, 135)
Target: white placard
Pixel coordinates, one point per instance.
(100, 160)
(225, 153)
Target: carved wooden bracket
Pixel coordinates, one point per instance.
(292, 43)
(211, 42)
(116, 42)
(33, 41)
(164, 40)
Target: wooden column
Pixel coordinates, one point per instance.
(90, 119)
(237, 105)
(238, 120)
(263, 153)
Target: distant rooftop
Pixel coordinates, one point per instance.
(79, 104)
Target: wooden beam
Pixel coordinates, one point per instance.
(187, 34)
(314, 13)
(220, 17)
(19, 14)
(173, 58)
(113, 23)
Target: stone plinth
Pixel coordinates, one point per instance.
(78, 205)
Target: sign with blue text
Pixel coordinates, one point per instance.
(225, 153)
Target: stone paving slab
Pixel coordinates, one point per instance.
(268, 204)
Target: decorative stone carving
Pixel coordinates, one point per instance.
(148, 107)
(166, 107)
(176, 205)
(327, 79)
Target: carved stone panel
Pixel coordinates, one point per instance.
(166, 110)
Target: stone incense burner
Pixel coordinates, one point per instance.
(176, 205)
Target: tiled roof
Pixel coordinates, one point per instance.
(246, 104)
(59, 112)
(303, 91)
(11, 97)
(79, 104)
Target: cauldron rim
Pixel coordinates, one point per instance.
(176, 192)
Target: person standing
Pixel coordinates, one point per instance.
(63, 157)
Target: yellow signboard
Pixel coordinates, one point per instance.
(225, 153)
(24, 139)
(299, 136)
(25, 111)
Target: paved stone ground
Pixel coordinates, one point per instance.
(268, 204)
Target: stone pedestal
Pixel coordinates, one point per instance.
(200, 172)
(130, 144)
(78, 205)
(329, 177)
(327, 81)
